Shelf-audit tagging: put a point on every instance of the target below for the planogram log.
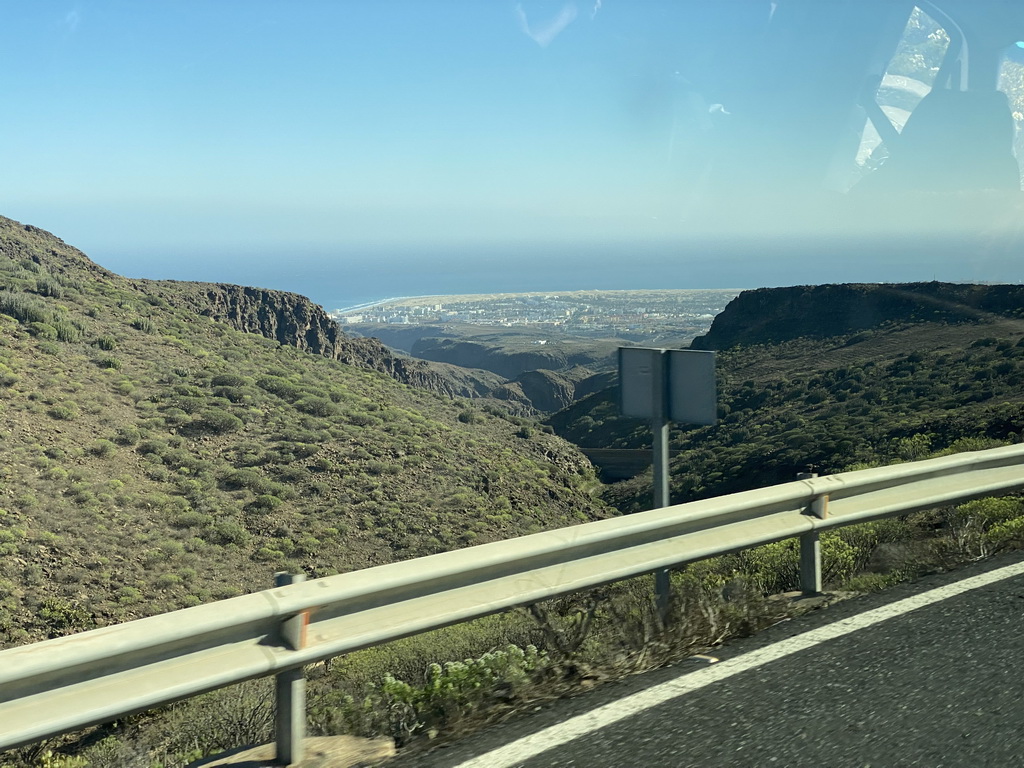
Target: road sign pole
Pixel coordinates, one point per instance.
(659, 430)
(659, 384)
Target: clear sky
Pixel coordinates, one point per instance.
(353, 149)
(148, 133)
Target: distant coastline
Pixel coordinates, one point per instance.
(361, 305)
(368, 304)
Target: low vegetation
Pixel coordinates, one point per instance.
(826, 406)
(429, 688)
(157, 459)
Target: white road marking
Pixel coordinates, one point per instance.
(527, 747)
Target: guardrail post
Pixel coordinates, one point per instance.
(810, 546)
(810, 564)
(290, 687)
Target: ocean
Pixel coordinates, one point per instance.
(354, 280)
(346, 280)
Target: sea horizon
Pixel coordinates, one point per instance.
(349, 281)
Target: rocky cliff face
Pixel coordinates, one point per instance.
(770, 315)
(294, 320)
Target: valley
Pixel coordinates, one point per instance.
(174, 443)
(547, 349)
(170, 443)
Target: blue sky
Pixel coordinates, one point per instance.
(153, 134)
(355, 149)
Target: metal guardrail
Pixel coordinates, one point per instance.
(67, 683)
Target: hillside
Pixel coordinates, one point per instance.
(772, 315)
(159, 456)
(910, 370)
(294, 320)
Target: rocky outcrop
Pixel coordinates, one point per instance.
(772, 315)
(546, 390)
(293, 320)
(27, 244)
(288, 318)
(512, 396)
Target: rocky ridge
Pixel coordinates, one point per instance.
(293, 320)
(774, 315)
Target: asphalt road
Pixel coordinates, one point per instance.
(911, 677)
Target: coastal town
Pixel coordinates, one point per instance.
(590, 314)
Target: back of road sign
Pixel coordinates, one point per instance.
(688, 381)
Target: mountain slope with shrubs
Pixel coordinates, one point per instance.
(156, 458)
(885, 373)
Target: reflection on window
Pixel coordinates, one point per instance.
(1011, 82)
(909, 77)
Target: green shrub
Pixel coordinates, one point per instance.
(233, 394)
(264, 503)
(106, 343)
(449, 693)
(241, 478)
(128, 435)
(280, 387)
(190, 405)
(317, 406)
(216, 421)
(62, 616)
(49, 286)
(129, 595)
(102, 448)
(64, 412)
(67, 331)
(167, 580)
(43, 331)
(225, 532)
(8, 378)
(1006, 533)
(152, 446)
(190, 518)
(174, 416)
(229, 380)
(23, 308)
(26, 501)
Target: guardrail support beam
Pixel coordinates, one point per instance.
(68, 683)
(290, 689)
(810, 564)
(810, 546)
